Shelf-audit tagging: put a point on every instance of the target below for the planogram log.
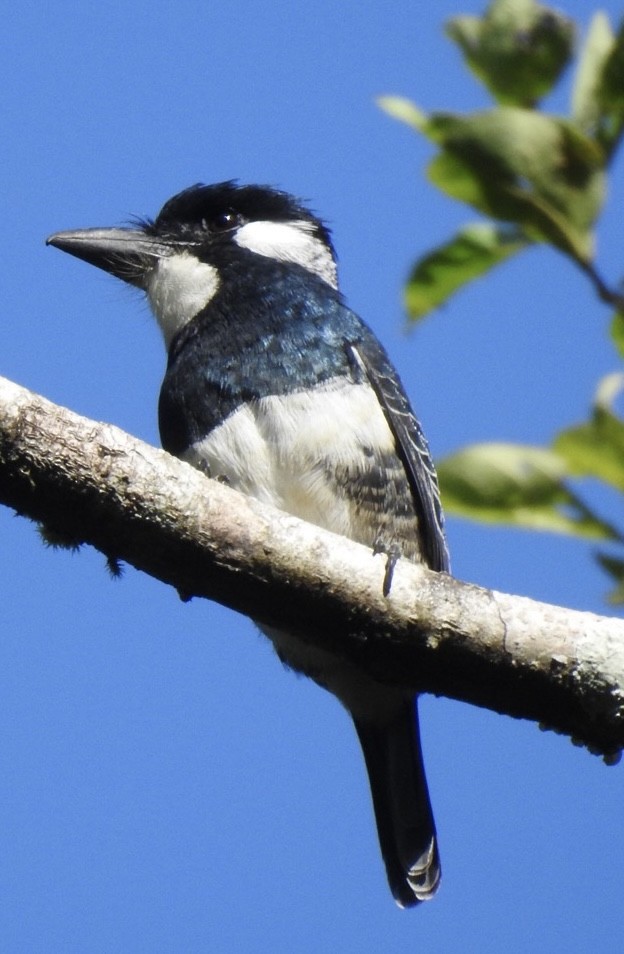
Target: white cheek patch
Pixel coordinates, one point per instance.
(289, 242)
(178, 288)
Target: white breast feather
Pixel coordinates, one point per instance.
(277, 448)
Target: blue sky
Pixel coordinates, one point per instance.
(166, 785)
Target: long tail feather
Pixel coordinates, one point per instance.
(405, 824)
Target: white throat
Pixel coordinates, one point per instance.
(178, 288)
(289, 242)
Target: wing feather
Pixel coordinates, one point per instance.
(411, 445)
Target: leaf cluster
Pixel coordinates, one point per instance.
(534, 177)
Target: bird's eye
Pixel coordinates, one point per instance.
(222, 222)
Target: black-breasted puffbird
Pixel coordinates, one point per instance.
(275, 386)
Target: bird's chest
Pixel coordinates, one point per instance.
(311, 453)
(325, 454)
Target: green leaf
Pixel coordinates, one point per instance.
(596, 449)
(537, 171)
(516, 485)
(612, 96)
(617, 332)
(457, 178)
(437, 127)
(598, 95)
(587, 90)
(518, 49)
(615, 568)
(398, 107)
(540, 172)
(608, 390)
(471, 253)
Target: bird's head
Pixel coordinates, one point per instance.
(177, 258)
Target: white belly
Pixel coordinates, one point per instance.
(277, 450)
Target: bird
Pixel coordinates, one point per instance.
(274, 386)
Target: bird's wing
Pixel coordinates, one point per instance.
(411, 445)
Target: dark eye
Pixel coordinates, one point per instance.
(223, 221)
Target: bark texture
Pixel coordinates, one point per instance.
(91, 483)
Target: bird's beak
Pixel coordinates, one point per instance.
(128, 254)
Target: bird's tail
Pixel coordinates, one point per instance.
(405, 824)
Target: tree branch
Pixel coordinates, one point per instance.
(606, 294)
(93, 483)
